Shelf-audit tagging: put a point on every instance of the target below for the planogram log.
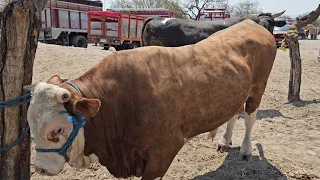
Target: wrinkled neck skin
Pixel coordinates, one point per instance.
(76, 155)
(76, 152)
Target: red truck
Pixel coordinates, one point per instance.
(120, 28)
(211, 14)
(65, 22)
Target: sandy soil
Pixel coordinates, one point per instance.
(285, 139)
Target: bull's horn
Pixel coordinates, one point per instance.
(277, 14)
(29, 87)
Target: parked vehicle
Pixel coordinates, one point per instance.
(146, 12)
(211, 14)
(120, 28)
(279, 33)
(302, 34)
(65, 22)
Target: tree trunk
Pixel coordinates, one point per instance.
(18, 44)
(295, 71)
(294, 49)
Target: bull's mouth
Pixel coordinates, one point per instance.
(44, 172)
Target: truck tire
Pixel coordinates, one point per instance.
(134, 45)
(79, 41)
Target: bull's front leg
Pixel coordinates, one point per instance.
(246, 149)
(161, 156)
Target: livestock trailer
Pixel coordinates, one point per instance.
(65, 22)
(211, 14)
(110, 28)
(121, 30)
(146, 12)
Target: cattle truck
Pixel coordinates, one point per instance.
(65, 22)
(211, 14)
(146, 12)
(120, 28)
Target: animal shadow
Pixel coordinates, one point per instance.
(233, 168)
(268, 113)
(303, 103)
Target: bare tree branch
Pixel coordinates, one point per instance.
(245, 7)
(308, 19)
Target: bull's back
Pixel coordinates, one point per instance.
(249, 41)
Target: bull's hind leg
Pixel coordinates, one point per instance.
(251, 109)
(226, 140)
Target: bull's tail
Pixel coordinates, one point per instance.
(144, 26)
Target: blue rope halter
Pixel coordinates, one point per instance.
(16, 101)
(12, 103)
(78, 122)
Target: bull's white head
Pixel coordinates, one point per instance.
(51, 129)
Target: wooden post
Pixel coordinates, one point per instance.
(18, 44)
(294, 50)
(296, 69)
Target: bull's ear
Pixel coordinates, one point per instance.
(87, 107)
(30, 87)
(55, 79)
(280, 23)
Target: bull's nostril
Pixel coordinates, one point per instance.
(40, 170)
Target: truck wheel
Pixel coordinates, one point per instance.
(79, 41)
(134, 45)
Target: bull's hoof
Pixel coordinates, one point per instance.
(224, 147)
(245, 157)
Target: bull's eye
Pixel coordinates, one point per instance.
(65, 96)
(55, 135)
(60, 131)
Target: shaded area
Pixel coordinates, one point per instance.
(268, 113)
(303, 103)
(234, 168)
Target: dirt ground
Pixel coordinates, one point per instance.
(285, 139)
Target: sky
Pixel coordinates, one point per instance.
(292, 7)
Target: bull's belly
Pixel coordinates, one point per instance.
(208, 118)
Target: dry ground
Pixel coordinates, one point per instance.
(286, 137)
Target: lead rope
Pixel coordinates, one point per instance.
(13, 103)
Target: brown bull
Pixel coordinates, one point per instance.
(141, 105)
